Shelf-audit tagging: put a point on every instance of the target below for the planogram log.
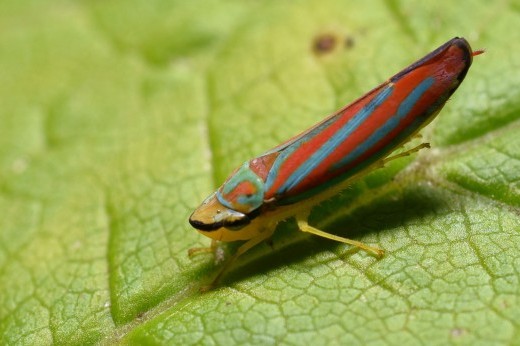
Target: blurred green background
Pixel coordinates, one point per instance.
(118, 117)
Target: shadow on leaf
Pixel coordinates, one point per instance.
(414, 204)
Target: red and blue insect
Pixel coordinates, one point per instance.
(288, 180)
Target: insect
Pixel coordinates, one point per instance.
(288, 180)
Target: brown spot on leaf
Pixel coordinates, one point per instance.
(349, 42)
(324, 43)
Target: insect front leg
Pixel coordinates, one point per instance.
(200, 250)
(241, 250)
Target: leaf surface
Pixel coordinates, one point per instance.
(118, 117)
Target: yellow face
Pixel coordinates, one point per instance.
(218, 222)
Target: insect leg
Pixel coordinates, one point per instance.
(241, 250)
(305, 227)
(407, 152)
(199, 250)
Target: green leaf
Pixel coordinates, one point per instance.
(118, 117)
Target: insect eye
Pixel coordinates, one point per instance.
(236, 223)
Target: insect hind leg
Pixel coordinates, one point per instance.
(305, 227)
(407, 152)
